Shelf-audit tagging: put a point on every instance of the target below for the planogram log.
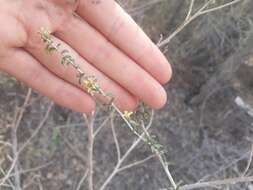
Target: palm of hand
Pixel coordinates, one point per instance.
(102, 38)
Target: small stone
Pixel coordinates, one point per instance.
(62, 176)
(49, 175)
(69, 182)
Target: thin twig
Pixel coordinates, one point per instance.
(220, 7)
(75, 150)
(116, 168)
(90, 124)
(115, 138)
(190, 10)
(15, 155)
(82, 180)
(41, 124)
(6, 144)
(217, 183)
(168, 173)
(183, 25)
(32, 169)
(15, 140)
(164, 165)
(16, 123)
(9, 181)
(124, 157)
(22, 109)
(223, 168)
(102, 125)
(189, 19)
(249, 162)
(123, 168)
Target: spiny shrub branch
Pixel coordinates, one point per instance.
(134, 120)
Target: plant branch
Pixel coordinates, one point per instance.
(21, 149)
(115, 138)
(82, 180)
(90, 125)
(90, 84)
(249, 162)
(124, 157)
(229, 181)
(18, 117)
(123, 168)
(189, 18)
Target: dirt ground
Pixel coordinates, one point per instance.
(206, 129)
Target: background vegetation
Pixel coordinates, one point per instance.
(206, 127)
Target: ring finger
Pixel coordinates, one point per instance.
(52, 61)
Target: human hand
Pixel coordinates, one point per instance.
(104, 40)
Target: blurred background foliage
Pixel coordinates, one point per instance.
(207, 133)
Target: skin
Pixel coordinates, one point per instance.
(104, 40)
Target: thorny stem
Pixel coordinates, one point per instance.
(90, 124)
(115, 138)
(163, 162)
(90, 84)
(189, 18)
(15, 159)
(217, 183)
(123, 158)
(123, 168)
(82, 180)
(17, 121)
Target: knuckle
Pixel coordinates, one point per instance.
(103, 47)
(12, 33)
(67, 5)
(117, 26)
(52, 15)
(105, 50)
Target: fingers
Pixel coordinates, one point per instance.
(114, 23)
(123, 99)
(12, 33)
(112, 62)
(27, 69)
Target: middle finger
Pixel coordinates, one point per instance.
(107, 58)
(53, 62)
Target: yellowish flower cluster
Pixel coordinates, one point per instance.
(91, 85)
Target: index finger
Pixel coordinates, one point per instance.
(119, 28)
